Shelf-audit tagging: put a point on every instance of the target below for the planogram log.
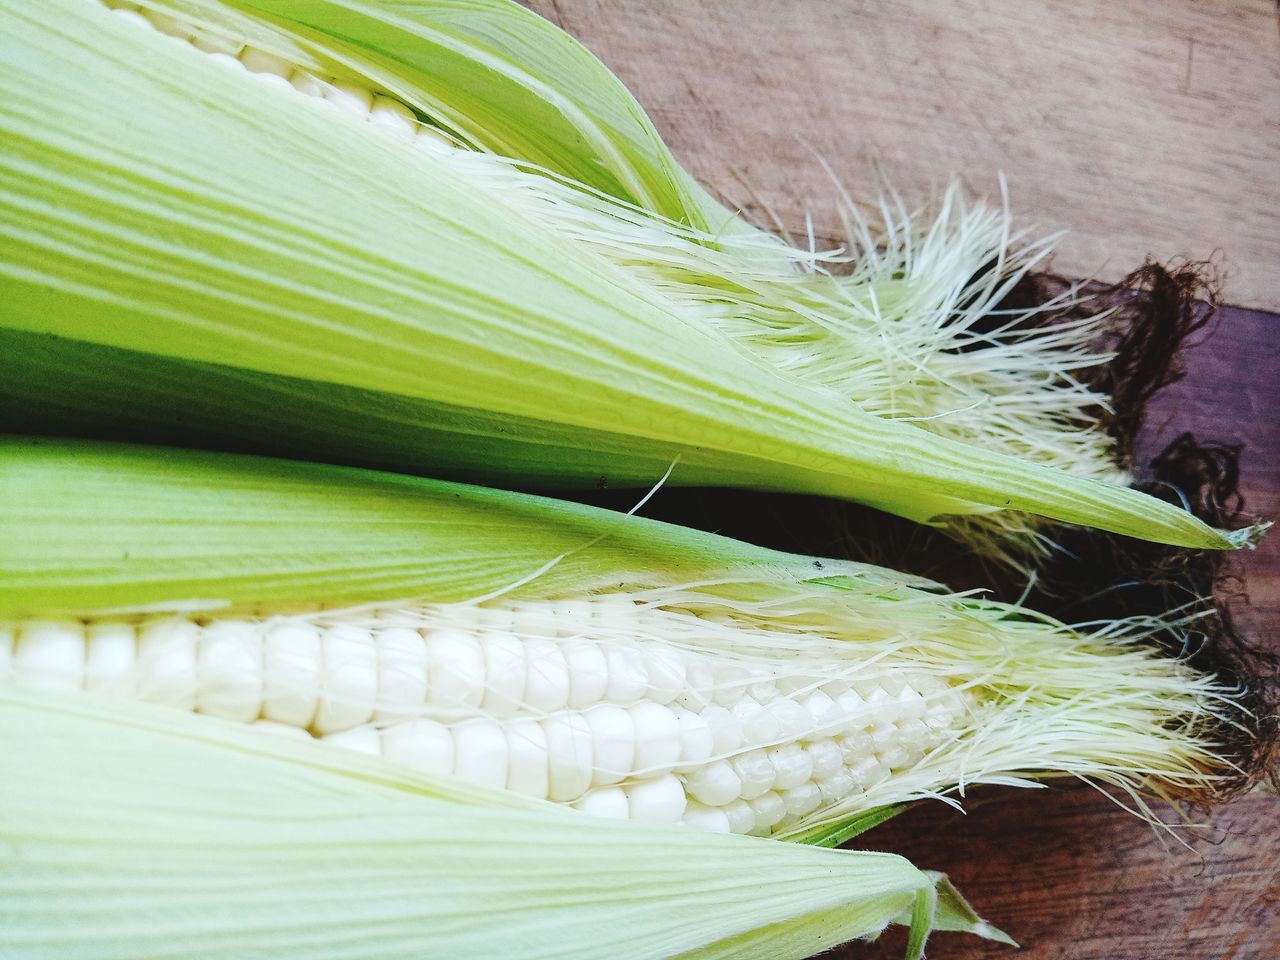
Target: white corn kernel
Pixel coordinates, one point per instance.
(168, 25)
(359, 739)
(230, 664)
(666, 671)
(227, 60)
(884, 736)
(573, 618)
(111, 658)
(726, 730)
(421, 743)
(534, 620)
(759, 726)
(911, 704)
(697, 742)
(834, 688)
(895, 758)
(480, 753)
(628, 679)
(657, 800)
(50, 654)
(730, 684)
(708, 819)
(825, 757)
(433, 140)
(793, 720)
(527, 763)
(6, 651)
(569, 765)
(764, 692)
(867, 772)
(308, 83)
(941, 713)
(167, 663)
(699, 682)
(505, 669)
(742, 819)
(351, 97)
(769, 809)
(613, 742)
(608, 802)
(836, 787)
(715, 784)
(547, 676)
(802, 799)
(348, 679)
(884, 708)
(892, 684)
(291, 674)
(132, 16)
(855, 745)
(914, 733)
(274, 80)
(392, 116)
(657, 740)
(854, 711)
(825, 714)
(259, 61)
(402, 673)
(588, 673)
(282, 730)
(755, 771)
(455, 671)
(791, 766)
(213, 43)
(497, 619)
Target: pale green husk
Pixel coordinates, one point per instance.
(223, 245)
(133, 832)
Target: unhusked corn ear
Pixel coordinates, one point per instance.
(441, 689)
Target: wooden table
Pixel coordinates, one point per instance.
(1149, 129)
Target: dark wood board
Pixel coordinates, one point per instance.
(737, 88)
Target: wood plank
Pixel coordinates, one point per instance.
(1067, 873)
(1147, 130)
(1142, 128)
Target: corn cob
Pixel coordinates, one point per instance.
(582, 702)
(621, 666)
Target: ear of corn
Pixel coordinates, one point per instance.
(162, 835)
(501, 78)
(620, 665)
(215, 232)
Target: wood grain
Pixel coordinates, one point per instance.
(1147, 128)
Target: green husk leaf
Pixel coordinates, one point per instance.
(100, 525)
(507, 81)
(207, 840)
(832, 835)
(217, 232)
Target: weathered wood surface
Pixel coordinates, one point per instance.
(1066, 872)
(1146, 129)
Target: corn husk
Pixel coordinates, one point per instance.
(205, 231)
(133, 832)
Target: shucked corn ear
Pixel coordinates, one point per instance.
(626, 667)
(238, 263)
(132, 832)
